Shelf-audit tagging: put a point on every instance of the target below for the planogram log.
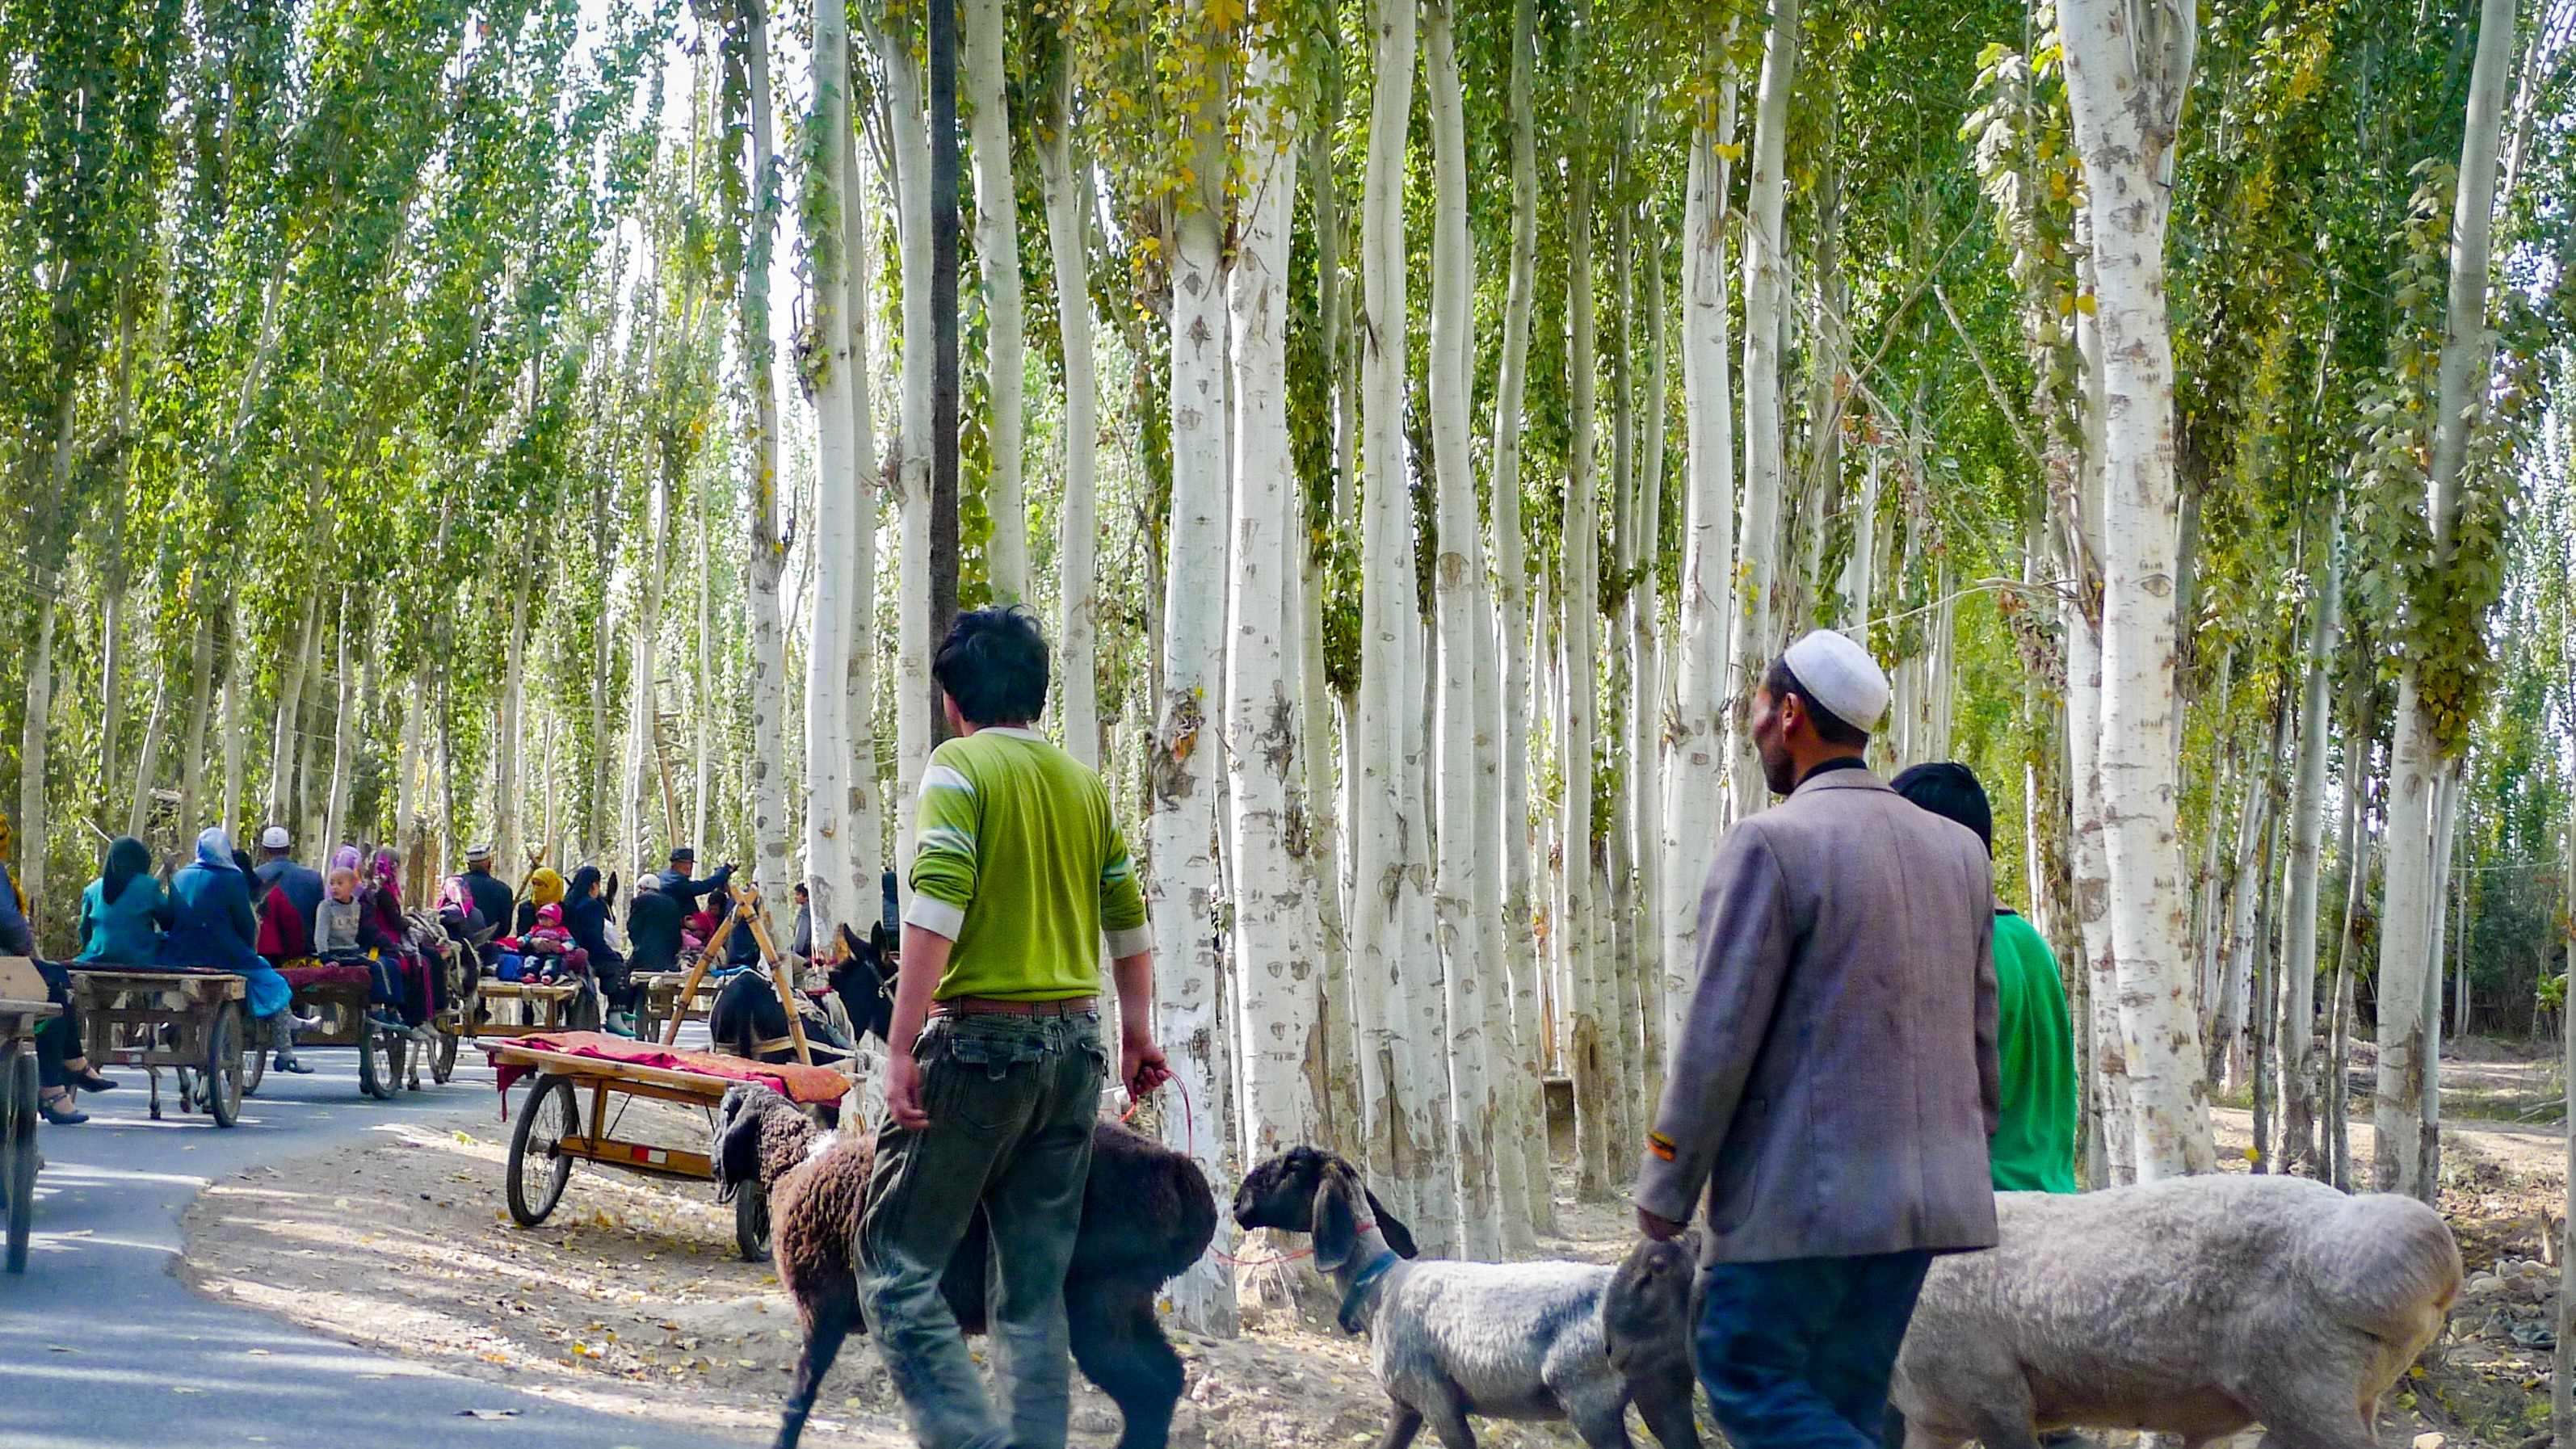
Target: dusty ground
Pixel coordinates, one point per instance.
(631, 1298)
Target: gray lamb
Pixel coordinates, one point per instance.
(1505, 1340)
(2196, 1307)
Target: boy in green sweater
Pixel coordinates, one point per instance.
(996, 1063)
(2033, 1149)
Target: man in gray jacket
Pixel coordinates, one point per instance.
(1837, 1079)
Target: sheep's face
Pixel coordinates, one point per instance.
(1646, 1313)
(1280, 1193)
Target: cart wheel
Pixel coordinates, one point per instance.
(537, 1171)
(375, 1076)
(442, 1067)
(224, 1068)
(254, 1067)
(395, 1052)
(751, 1222)
(18, 1154)
(648, 1027)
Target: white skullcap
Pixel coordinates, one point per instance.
(274, 838)
(1841, 676)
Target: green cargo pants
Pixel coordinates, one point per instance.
(1012, 1101)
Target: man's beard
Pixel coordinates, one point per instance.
(1779, 771)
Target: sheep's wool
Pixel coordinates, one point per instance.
(820, 1143)
(1841, 676)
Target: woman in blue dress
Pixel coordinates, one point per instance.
(213, 926)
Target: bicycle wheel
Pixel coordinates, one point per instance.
(538, 1169)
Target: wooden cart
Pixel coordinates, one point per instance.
(22, 1010)
(341, 997)
(551, 1131)
(192, 1022)
(658, 1005)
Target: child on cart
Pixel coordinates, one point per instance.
(345, 932)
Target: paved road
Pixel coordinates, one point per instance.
(102, 1348)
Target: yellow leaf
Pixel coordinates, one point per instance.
(2085, 304)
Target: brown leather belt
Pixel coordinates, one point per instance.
(992, 1006)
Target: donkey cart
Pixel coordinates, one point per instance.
(19, 1019)
(191, 1022)
(551, 1131)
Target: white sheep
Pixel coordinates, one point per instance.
(2195, 1307)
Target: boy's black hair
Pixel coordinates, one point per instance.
(1949, 789)
(1781, 682)
(994, 664)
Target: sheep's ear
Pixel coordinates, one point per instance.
(738, 1151)
(1337, 1222)
(1398, 1236)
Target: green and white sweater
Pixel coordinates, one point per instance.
(1017, 860)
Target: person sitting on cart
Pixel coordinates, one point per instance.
(677, 885)
(62, 1063)
(384, 902)
(284, 935)
(654, 933)
(585, 915)
(213, 927)
(548, 950)
(302, 884)
(481, 893)
(545, 888)
(346, 933)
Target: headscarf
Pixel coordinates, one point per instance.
(386, 872)
(127, 858)
(550, 914)
(215, 849)
(545, 887)
(585, 883)
(346, 858)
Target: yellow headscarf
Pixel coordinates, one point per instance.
(545, 888)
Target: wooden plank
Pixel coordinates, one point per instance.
(21, 981)
(710, 1087)
(640, 1157)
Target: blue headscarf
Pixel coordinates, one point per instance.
(215, 849)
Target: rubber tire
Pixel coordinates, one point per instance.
(254, 1068)
(18, 1155)
(751, 1222)
(442, 1067)
(224, 1069)
(523, 1211)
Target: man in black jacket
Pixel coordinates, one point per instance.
(653, 922)
(677, 885)
(490, 898)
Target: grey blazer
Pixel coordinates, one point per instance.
(1836, 1079)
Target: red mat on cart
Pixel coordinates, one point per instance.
(795, 1082)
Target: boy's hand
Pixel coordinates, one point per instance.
(903, 1091)
(1141, 1064)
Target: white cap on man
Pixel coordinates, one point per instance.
(1840, 675)
(275, 838)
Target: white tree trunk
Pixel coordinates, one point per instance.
(1652, 710)
(227, 812)
(910, 148)
(290, 700)
(505, 744)
(1695, 781)
(1458, 593)
(1277, 933)
(2124, 90)
(1766, 301)
(840, 482)
(192, 764)
(147, 762)
(32, 824)
(1588, 1035)
(768, 556)
(997, 252)
(1399, 1098)
(344, 731)
(864, 820)
(2298, 1067)
(1525, 1107)
(1068, 200)
(1183, 818)
(2418, 755)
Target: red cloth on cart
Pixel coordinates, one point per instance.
(795, 1082)
(328, 973)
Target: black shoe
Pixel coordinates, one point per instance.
(62, 1116)
(91, 1081)
(285, 1063)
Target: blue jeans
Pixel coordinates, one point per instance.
(1797, 1354)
